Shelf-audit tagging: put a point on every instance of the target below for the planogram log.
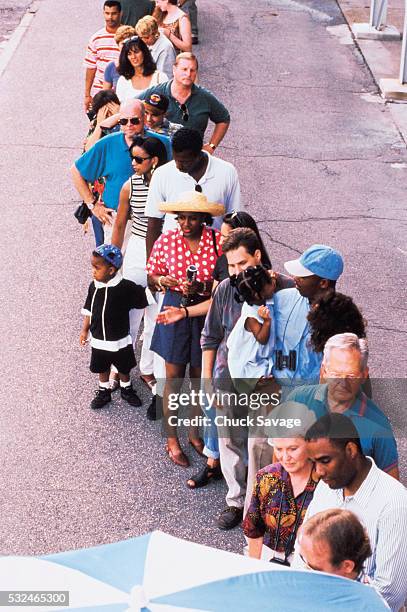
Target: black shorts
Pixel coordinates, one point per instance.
(101, 361)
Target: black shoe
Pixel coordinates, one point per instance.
(230, 517)
(195, 40)
(130, 396)
(102, 397)
(155, 409)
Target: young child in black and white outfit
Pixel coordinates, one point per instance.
(106, 310)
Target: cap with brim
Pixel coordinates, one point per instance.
(193, 201)
(319, 259)
(157, 101)
(111, 254)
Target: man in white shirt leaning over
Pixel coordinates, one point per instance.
(352, 481)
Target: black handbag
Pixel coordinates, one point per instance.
(82, 213)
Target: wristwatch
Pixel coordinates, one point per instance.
(91, 205)
(212, 146)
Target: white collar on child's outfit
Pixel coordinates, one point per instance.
(112, 283)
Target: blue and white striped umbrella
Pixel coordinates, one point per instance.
(158, 572)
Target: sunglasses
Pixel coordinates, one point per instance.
(185, 113)
(139, 160)
(198, 188)
(131, 39)
(133, 121)
(233, 215)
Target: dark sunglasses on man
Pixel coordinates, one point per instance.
(133, 121)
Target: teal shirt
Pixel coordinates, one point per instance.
(375, 432)
(110, 157)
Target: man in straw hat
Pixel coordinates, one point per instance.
(191, 170)
(192, 245)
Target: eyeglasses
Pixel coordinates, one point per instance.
(133, 120)
(342, 376)
(139, 160)
(185, 113)
(198, 188)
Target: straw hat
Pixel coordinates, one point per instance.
(193, 201)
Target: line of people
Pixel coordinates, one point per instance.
(278, 360)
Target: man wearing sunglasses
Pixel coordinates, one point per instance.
(110, 157)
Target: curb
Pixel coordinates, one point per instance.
(12, 43)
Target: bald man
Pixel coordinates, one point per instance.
(110, 157)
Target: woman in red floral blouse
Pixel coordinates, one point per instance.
(192, 243)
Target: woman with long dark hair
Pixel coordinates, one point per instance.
(137, 68)
(147, 154)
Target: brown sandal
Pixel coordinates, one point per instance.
(179, 458)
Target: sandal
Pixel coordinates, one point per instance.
(149, 380)
(198, 446)
(204, 476)
(178, 458)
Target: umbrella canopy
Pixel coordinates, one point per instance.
(159, 572)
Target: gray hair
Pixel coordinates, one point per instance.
(347, 342)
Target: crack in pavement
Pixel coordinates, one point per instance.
(377, 158)
(284, 244)
(341, 218)
(390, 329)
(38, 146)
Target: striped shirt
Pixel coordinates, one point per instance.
(137, 201)
(101, 50)
(380, 503)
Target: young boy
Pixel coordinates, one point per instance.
(106, 310)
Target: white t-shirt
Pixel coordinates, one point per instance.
(164, 55)
(126, 91)
(220, 184)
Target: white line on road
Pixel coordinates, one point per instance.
(12, 43)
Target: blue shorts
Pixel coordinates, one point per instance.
(179, 342)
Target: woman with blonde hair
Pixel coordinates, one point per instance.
(174, 23)
(161, 49)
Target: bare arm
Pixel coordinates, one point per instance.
(185, 42)
(217, 135)
(81, 185)
(100, 211)
(84, 331)
(172, 314)
(89, 78)
(153, 232)
(261, 331)
(106, 85)
(255, 547)
(120, 223)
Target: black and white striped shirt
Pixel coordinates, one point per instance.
(137, 201)
(380, 503)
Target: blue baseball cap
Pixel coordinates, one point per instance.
(321, 260)
(111, 254)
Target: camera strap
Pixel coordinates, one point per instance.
(288, 548)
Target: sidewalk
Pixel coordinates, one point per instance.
(382, 57)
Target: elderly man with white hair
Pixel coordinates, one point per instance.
(344, 370)
(110, 157)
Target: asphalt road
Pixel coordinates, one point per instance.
(319, 160)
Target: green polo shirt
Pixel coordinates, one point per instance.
(202, 106)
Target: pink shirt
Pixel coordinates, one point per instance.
(171, 255)
(101, 50)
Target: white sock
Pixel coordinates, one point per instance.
(104, 385)
(125, 385)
